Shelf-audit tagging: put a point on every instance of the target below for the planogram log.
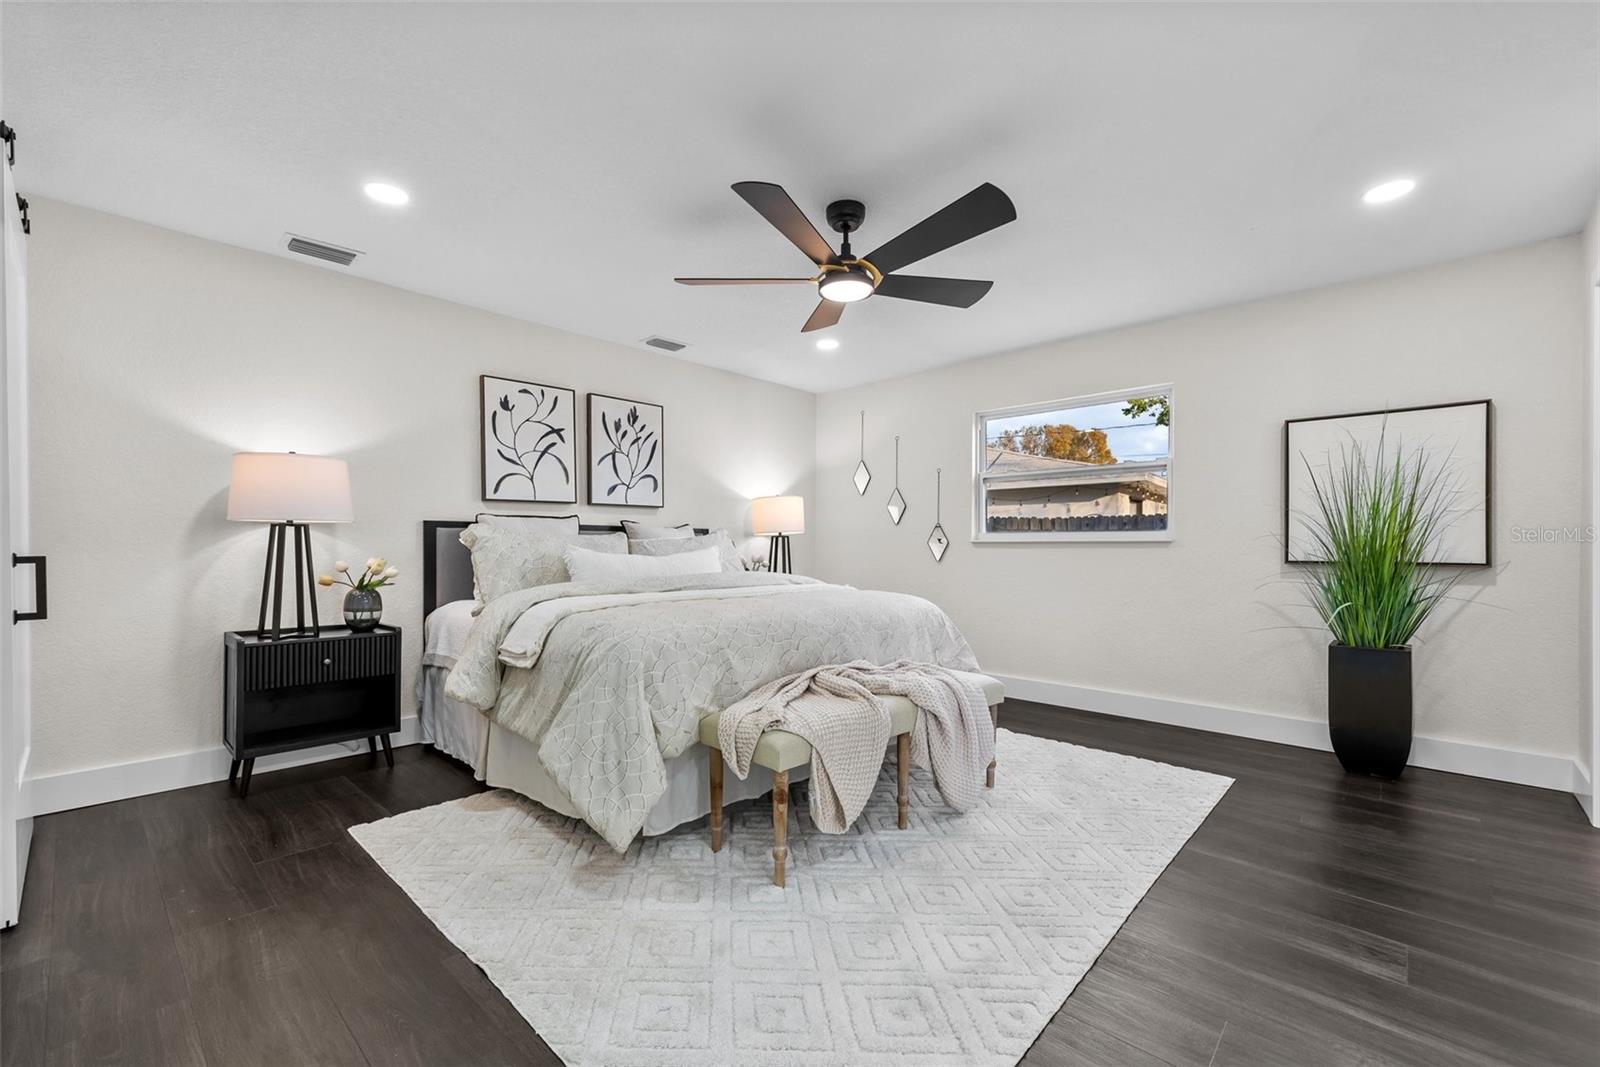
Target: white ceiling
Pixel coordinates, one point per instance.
(567, 161)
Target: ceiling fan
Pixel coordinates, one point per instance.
(844, 278)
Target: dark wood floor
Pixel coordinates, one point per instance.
(1314, 918)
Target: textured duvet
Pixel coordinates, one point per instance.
(609, 682)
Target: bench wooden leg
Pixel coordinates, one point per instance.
(902, 756)
(994, 717)
(716, 800)
(780, 825)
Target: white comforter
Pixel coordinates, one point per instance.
(610, 682)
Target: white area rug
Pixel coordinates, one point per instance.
(952, 942)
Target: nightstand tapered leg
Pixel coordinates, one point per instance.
(372, 745)
(244, 780)
(233, 771)
(388, 753)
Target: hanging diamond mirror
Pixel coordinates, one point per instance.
(937, 541)
(897, 503)
(863, 476)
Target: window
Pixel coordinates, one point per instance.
(1092, 468)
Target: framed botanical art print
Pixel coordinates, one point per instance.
(529, 436)
(627, 452)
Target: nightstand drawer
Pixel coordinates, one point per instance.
(280, 664)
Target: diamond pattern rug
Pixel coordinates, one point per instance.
(952, 942)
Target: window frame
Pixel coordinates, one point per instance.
(980, 420)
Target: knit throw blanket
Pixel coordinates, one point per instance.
(835, 710)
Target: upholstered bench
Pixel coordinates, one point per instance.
(780, 751)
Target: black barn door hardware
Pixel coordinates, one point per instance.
(41, 603)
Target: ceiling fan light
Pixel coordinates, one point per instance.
(846, 286)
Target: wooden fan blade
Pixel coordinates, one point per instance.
(980, 211)
(952, 292)
(827, 314)
(741, 281)
(777, 208)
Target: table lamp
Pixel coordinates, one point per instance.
(288, 490)
(777, 517)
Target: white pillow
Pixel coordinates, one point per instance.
(586, 566)
(673, 546)
(532, 524)
(638, 531)
(505, 561)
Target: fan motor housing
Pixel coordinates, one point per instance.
(846, 216)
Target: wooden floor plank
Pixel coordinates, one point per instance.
(25, 959)
(385, 972)
(303, 816)
(257, 1000)
(117, 989)
(206, 872)
(420, 778)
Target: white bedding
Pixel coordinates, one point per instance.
(610, 689)
(506, 760)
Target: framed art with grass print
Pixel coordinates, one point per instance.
(1453, 440)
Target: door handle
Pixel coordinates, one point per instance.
(41, 603)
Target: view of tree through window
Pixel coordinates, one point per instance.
(1096, 467)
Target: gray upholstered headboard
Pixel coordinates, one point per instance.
(447, 564)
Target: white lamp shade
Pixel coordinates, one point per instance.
(288, 487)
(772, 515)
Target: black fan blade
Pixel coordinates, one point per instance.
(741, 281)
(952, 292)
(777, 208)
(980, 211)
(827, 314)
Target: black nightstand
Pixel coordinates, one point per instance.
(299, 692)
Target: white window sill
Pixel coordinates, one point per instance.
(1043, 535)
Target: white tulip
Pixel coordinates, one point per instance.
(391, 572)
(341, 566)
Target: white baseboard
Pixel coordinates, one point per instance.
(1459, 757)
(120, 781)
(1583, 789)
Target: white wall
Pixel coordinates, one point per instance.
(157, 355)
(1214, 617)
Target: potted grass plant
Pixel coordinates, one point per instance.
(1375, 526)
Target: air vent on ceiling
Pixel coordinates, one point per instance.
(666, 344)
(305, 246)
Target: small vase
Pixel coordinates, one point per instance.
(1369, 708)
(362, 609)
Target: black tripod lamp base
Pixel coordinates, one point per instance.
(305, 583)
(778, 558)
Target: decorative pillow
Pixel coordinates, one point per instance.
(586, 566)
(539, 524)
(672, 546)
(504, 560)
(638, 531)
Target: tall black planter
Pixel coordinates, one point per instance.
(1369, 708)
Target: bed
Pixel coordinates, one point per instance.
(587, 698)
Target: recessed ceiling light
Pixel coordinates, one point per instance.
(384, 193)
(1388, 191)
(827, 344)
